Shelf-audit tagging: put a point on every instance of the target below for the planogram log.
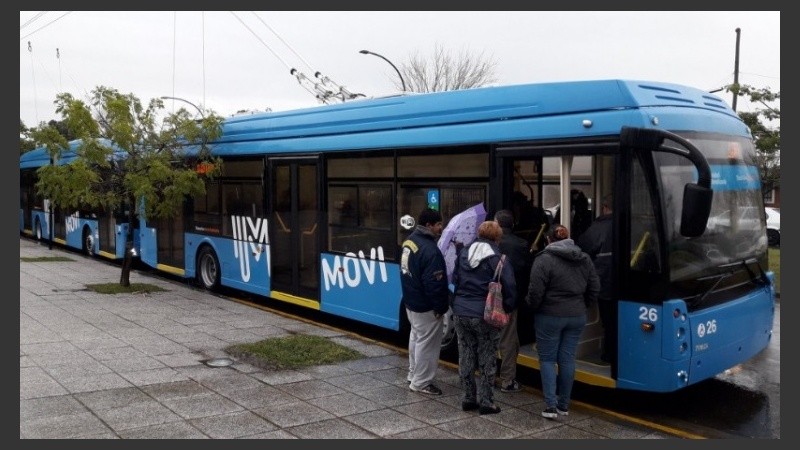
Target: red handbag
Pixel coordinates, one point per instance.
(493, 313)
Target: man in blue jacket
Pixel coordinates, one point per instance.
(423, 277)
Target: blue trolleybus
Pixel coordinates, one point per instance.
(313, 205)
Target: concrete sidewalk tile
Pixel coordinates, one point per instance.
(279, 377)
(112, 398)
(293, 414)
(62, 427)
(357, 382)
(309, 389)
(434, 412)
(137, 415)
(385, 422)
(153, 376)
(277, 434)
(423, 433)
(175, 389)
(602, 427)
(234, 425)
(178, 430)
(41, 408)
(37, 389)
(88, 383)
(477, 427)
(393, 395)
(563, 432)
(345, 404)
(261, 397)
(331, 429)
(233, 381)
(211, 404)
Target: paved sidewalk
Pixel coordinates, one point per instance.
(132, 367)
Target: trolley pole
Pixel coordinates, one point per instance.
(736, 70)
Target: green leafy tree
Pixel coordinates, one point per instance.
(128, 153)
(26, 143)
(767, 138)
(446, 71)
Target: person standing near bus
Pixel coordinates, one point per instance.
(519, 257)
(477, 340)
(425, 297)
(563, 284)
(596, 242)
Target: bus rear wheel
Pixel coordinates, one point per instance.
(208, 270)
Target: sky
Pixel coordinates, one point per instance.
(240, 61)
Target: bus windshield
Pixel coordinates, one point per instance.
(736, 229)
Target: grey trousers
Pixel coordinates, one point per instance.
(424, 345)
(509, 349)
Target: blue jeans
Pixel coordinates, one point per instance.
(556, 341)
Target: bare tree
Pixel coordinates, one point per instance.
(445, 71)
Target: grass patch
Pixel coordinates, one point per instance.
(116, 288)
(292, 352)
(775, 266)
(44, 259)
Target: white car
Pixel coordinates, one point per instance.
(773, 226)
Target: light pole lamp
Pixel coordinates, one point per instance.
(402, 81)
(164, 97)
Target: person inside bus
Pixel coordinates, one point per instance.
(423, 278)
(520, 258)
(580, 216)
(563, 284)
(477, 340)
(596, 242)
(530, 222)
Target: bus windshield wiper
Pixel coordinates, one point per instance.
(760, 279)
(719, 277)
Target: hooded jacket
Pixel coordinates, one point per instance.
(474, 269)
(563, 281)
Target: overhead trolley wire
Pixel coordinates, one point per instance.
(45, 25)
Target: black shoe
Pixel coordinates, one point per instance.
(428, 390)
(469, 406)
(488, 410)
(550, 413)
(511, 387)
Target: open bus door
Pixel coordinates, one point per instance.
(294, 229)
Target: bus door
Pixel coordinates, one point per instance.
(294, 228)
(534, 183)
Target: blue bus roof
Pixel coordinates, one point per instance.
(478, 115)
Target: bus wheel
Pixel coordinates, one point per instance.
(88, 242)
(449, 337)
(208, 270)
(773, 238)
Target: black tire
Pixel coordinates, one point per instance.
(208, 269)
(87, 242)
(773, 238)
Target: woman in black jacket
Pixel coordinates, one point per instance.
(563, 284)
(477, 340)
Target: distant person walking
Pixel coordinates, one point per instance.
(477, 340)
(563, 284)
(596, 242)
(519, 257)
(425, 297)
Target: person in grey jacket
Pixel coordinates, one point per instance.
(477, 340)
(562, 285)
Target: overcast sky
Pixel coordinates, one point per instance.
(229, 62)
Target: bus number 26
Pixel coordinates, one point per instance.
(648, 314)
(707, 328)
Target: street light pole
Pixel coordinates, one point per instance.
(164, 97)
(402, 81)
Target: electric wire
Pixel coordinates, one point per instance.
(32, 19)
(45, 25)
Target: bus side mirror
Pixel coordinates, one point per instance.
(696, 209)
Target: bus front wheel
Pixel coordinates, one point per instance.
(208, 270)
(88, 241)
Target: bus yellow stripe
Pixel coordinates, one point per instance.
(300, 301)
